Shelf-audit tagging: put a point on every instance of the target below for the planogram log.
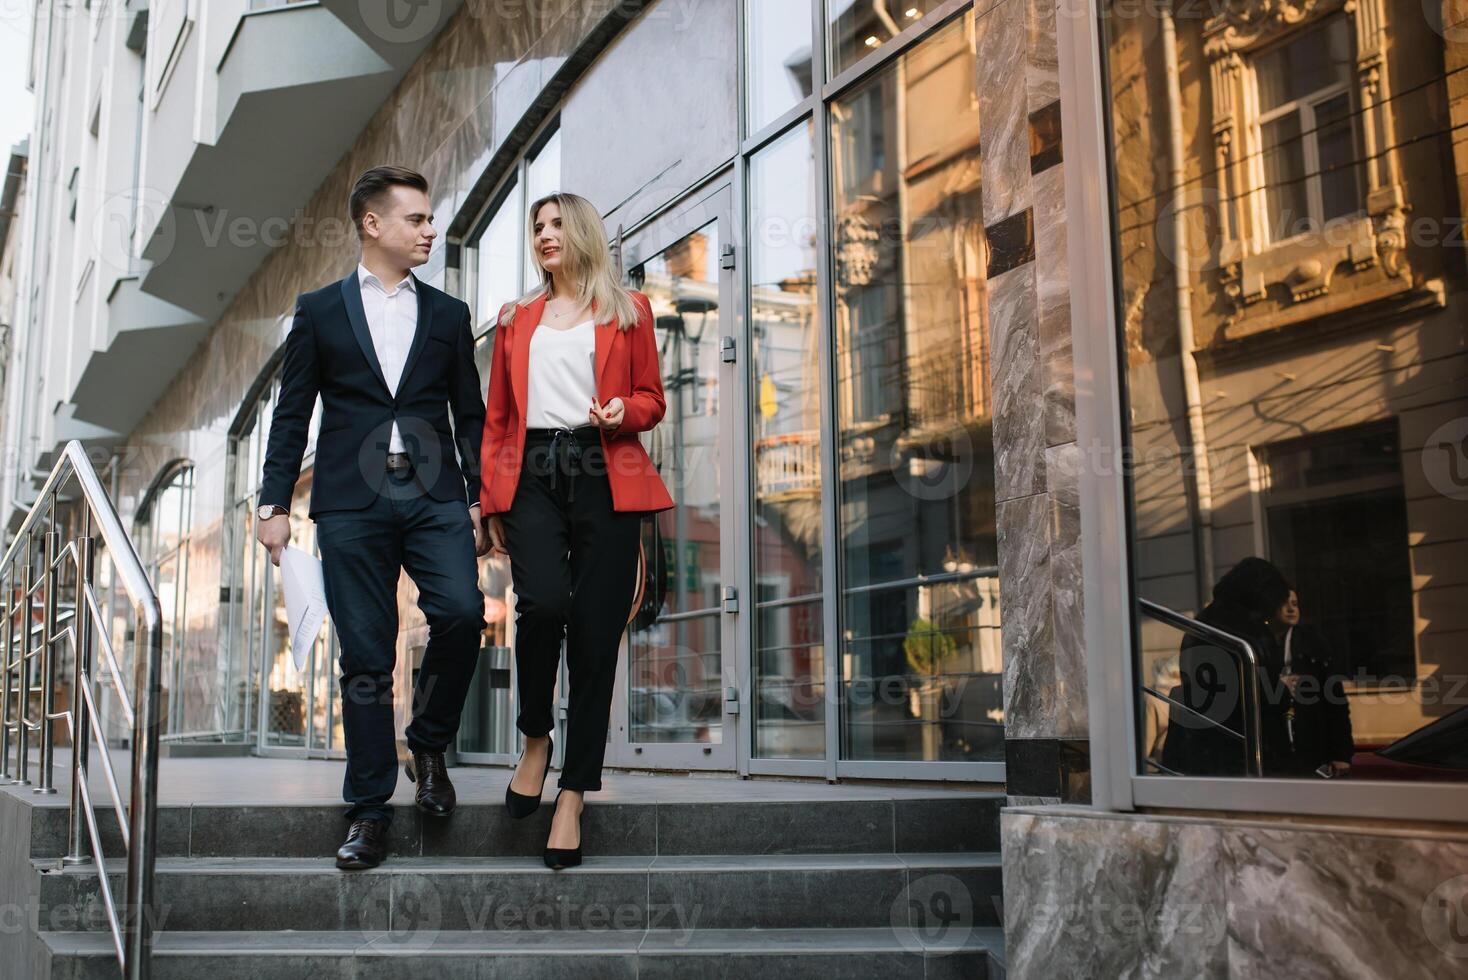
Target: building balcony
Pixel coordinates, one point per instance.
(296, 84)
(150, 341)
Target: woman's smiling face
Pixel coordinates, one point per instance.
(550, 243)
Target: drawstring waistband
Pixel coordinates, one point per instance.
(565, 448)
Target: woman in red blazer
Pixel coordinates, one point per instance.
(565, 484)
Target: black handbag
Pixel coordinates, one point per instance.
(652, 576)
(652, 560)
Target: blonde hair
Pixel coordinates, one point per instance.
(585, 255)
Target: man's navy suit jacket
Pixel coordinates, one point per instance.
(329, 352)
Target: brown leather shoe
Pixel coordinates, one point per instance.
(435, 794)
(365, 846)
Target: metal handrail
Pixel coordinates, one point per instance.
(1248, 664)
(131, 922)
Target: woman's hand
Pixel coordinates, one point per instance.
(497, 536)
(607, 416)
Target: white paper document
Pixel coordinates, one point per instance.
(305, 601)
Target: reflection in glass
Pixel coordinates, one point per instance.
(162, 533)
(1294, 410)
(921, 662)
(675, 665)
(488, 722)
(542, 177)
(499, 253)
(779, 58)
(790, 691)
(859, 27)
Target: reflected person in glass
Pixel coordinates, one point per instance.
(1210, 738)
(1317, 716)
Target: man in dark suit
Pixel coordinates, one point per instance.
(390, 357)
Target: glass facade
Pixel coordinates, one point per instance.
(921, 660)
(788, 534)
(826, 597)
(1294, 367)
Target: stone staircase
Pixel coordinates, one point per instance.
(848, 888)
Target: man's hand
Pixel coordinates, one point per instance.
(497, 536)
(274, 534)
(481, 536)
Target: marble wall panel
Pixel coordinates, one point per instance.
(1141, 895)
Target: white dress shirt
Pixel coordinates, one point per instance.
(562, 376)
(392, 319)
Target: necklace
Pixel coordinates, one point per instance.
(553, 314)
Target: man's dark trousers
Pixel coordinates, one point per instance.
(362, 552)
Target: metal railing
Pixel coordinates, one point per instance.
(30, 661)
(1248, 663)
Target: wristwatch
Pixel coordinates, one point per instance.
(267, 511)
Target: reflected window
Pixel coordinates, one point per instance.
(1356, 588)
(859, 27)
(1308, 131)
(777, 57)
(786, 325)
(921, 656)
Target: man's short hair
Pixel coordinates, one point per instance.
(373, 185)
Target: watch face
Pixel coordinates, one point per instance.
(266, 512)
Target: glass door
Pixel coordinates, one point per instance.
(677, 697)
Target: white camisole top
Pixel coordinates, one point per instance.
(562, 377)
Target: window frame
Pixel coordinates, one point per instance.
(1309, 138)
(1106, 515)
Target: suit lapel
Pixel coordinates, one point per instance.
(351, 290)
(523, 326)
(420, 333)
(605, 334)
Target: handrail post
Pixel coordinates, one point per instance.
(23, 692)
(1253, 746)
(143, 814)
(132, 932)
(81, 740)
(48, 666)
(7, 580)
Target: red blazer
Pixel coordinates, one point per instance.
(626, 368)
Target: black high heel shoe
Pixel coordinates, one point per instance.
(558, 858)
(521, 805)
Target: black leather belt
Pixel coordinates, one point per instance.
(399, 461)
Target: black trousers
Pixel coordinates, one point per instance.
(573, 561)
(363, 553)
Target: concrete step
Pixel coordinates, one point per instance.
(951, 822)
(429, 896)
(709, 954)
